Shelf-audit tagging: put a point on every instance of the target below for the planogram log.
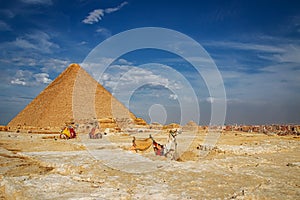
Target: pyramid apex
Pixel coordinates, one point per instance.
(72, 68)
(74, 65)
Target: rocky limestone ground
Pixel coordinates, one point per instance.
(243, 166)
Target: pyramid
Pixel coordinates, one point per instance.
(73, 96)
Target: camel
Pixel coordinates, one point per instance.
(171, 145)
(168, 150)
(141, 144)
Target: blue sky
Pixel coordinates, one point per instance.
(255, 45)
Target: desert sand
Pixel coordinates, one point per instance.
(243, 166)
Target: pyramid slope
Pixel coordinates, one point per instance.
(73, 95)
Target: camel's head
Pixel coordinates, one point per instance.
(175, 132)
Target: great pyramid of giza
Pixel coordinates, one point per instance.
(73, 96)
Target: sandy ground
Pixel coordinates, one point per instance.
(244, 166)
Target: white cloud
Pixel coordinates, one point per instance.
(47, 64)
(210, 99)
(291, 54)
(21, 61)
(21, 77)
(104, 31)
(135, 76)
(7, 13)
(274, 83)
(95, 69)
(188, 99)
(42, 78)
(42, 41)
(124, 74)
(4, 26)
(123, 80)
(245, 46)
(38, 41)
(24, 44)
(42, 2)
(18, 81)
(94, 16)
(173, 96)
(82, 43)
(97, 14)
(124, 62)
(267, 72)
(28, 78)
(54, 64)
(111, 10)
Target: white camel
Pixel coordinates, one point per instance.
(170, 148)
(171, 145)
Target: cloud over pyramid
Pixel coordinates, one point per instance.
(73, 96)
